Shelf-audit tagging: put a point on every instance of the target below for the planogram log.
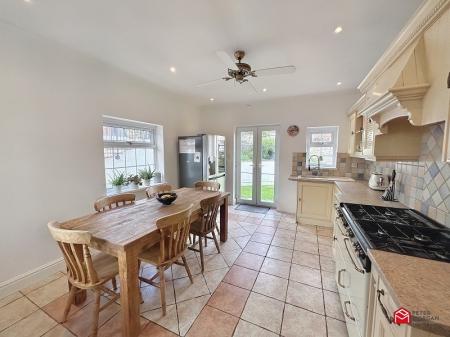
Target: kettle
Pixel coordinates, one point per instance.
(378, 181)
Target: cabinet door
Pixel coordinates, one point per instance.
(315, 203)
(351, 143)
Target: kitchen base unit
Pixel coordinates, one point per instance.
(314, 202)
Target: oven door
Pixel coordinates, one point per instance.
(353, 285)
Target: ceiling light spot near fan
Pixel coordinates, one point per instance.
(173, 69)
(212, 99)
(264, 89)
(338, 30)
(339, 84)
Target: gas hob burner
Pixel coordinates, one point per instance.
(443, 255)
(422, 238)
(381, 233)
(389, 213)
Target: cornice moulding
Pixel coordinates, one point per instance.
(424, 17)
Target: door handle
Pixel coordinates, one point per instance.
(383, 308)
(339, 278)
(346, 311)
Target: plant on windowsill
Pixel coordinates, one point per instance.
(117, 181)
(134, 181)
(146, 175)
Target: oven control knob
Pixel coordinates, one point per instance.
(350, 233)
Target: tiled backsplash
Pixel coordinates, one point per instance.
(346, 166)
(423, 185)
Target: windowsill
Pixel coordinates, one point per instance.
(127, 189)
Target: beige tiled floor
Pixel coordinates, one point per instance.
(272, 278)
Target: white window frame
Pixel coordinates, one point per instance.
(124, 123)
(334, 130)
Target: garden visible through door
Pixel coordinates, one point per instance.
(257, 165)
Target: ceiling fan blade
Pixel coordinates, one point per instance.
(204, 84)
(227, 59)
(252, 85)
(275, 71)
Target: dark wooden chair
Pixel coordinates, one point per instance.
(206, 225)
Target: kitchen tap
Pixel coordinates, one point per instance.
(319, 158)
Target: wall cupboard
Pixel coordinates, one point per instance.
(406, 90)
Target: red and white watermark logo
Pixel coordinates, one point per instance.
(402, 316)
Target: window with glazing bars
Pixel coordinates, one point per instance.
(128, 148)
(322, 141)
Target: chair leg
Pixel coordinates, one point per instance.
(201, 253)
(162, 289)
(188, 271)
(215, 241)
(96, 314)
(73, 291)
(114, 283)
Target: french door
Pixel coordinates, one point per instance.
(257, 165)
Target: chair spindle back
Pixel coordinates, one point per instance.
(107, 203)
(210, 208)
(207, 185)
(152, 191)
(174, 230)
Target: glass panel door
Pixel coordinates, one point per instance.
(257, 165)
(246, 165)
(268, 159)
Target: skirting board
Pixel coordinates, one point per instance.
(29, 278)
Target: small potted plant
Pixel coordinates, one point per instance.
(146, 175)
(117, 181)
(134, 181)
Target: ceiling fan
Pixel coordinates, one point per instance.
(242, 72)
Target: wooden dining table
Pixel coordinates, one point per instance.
(125, 231)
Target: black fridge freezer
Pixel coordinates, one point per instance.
(201, 157)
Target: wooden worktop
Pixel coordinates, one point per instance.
(418, 285)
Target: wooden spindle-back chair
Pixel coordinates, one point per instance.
(110, 202)
(152, 191)
(206, 224)
(174, 231)
(207, 185)
(85, 271)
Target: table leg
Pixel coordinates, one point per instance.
(224, 220)
(129, 293)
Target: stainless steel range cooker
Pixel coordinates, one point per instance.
(398, 230)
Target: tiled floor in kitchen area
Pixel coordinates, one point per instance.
(272, 278)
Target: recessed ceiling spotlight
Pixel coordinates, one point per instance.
(339, 84)
(338, 29)
(212, 99)
(27, 1)
(264, 89)
(173, 69)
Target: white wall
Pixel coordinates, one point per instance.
(312, 110)
(51, 152)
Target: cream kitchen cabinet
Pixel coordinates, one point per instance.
(314, 204)
(380, 312)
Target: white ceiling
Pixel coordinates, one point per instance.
(147, 37)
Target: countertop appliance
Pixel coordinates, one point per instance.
(378, 181)
(398, 230)
(201, 157)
